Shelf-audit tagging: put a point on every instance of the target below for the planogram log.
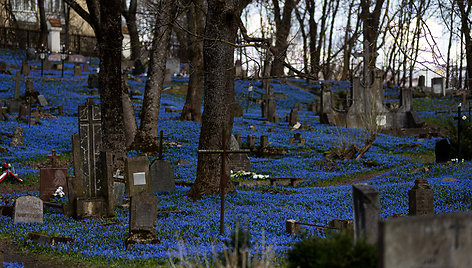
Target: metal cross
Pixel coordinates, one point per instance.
(459, 118)
(53, 156)
(223, 177)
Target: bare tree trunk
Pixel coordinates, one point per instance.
(449, 46)
(327, 69)
(43, 28)
(147, 134)
(220, 31)
(465, 28)
(193, 102)
(130, 16)
(304, 37)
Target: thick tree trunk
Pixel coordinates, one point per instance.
(43, 28)
(109, 39)
(465, 28)
(220, 31)
(129, 118)
(283, 25)
(192, 108)
(152, 92)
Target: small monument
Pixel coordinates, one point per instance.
(28, 209)
(421, 198)
(50, 179)
(366, 212)
(137, 175)
(142, 219)
(161, 173)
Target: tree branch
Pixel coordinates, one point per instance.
(82, 13)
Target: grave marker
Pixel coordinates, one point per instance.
(28, 209)
(51, 178)
(17, 138)
(293, 117)
(3, 67)
(42, 101)
(92, 81)
(25, 68)
(142, 219)
(18, 78)
(161, 172)
(428, 241)
(421, 198)
(442, 151)
(77, 70)
(366, 212)
(137, 174)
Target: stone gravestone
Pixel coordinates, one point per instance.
(86, 68)
(293, 117)
(92, 81)
(118, 192)
(142, 219)
(366, 212)
(3, 68)
(421, 198)
(238, 162)
(268, 105)
(421, 81)
(18, 78)
(77, 70)
(13, 106)
(438, 85)
(17, 138)
(51, 178)
(137, 175)
(25, 68)
(42, 101)
(28, 209)
(46, 65)
(167, 77)
(161, 175)
(442, 151)
(437, 241)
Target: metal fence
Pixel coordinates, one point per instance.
(26, 38)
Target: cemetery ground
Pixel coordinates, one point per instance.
(188, 231)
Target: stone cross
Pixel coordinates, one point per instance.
(53, 156)
(90, 143)
(223, 179)
(18, 78)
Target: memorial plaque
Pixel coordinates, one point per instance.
(49, 180)
(28, 209)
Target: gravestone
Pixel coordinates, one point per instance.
(240, 161)
(238, 70)
(18, 78)
(264, 141)
(421, 81)
(142, 219)
(25, 68)
(29, 87)
(433, 241)
(85, 68)
(42, 100)
(138, 68)
(92, 81)
(137, 175)
(268, 105)
(17, 137)
(167, 77)
(161, 175)
(438, 85)
(51, 178)
(3, 68)
(46, 65)
(173, 64)
(118, 192)
(421, 198)
(13, 106)
(30, 54)
(442, 151)
(28, 209)
(251, 141)
(76, 58)
(293, 117)
(239, 140)
(366, 212)
(77, 70)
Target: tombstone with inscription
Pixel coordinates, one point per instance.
(142, 219)
(433, 241)
(240, 161)
(17, 137)
(421, 198)
(137, 174)
(28, 209)
(366, 212)
(77, 70)
(51, 178)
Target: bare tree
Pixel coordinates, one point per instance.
(43, 28)
(221, 28)
(129, 13)
(465, 7)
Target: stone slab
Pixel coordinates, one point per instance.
(137, 175)
(49, 180)
(162, 176)
(438, 241)
(28, 209)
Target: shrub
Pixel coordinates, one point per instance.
(337, 250)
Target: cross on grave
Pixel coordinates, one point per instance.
(459, 118)
(268, 105)
(223, 177)
(161, 172)
(53, 156)
(90, 143)
(18, 78)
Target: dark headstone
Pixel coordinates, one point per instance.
(28, 209)
(46, 65)
(264, 141)
(77, 70)
(421, 198)
(437, 241)
(162, 176)
(86, 68)
(137, 175)
(142, 219)
(292, 226)
(49, 180)
(42, 101)
(138, 68)
(293, 117)
(239, 162)
(30, 54)
(366, 212)
(92, 81)
(442, 150)
(3, 67)
(421, 81)
(251, 141)
(90, 207)
(29, 87)
(239, 140)
(25, 68)
(118, 192)
(18, 78)
(17, 137)
(13, 106)
(76, 58)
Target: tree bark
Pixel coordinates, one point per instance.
(147, 133)
(465, 9)
(130, 16)
(283, 25)
(193, 102)
(220, 33)
(43, 28)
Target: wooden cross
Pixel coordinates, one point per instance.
(53, 156)
(223, 177)
(17, 80)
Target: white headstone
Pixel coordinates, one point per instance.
(28, 209)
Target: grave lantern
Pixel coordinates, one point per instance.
(42, 55)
